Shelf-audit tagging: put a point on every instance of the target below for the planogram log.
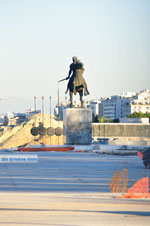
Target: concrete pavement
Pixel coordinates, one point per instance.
(70, 189)
(71, 209)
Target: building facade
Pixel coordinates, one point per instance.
(120, 106)
(94, 105)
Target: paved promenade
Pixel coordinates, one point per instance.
(71, 209)
(70, 189)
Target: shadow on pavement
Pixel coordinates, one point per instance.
(136, 213)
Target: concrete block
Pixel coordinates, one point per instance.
(77, 126)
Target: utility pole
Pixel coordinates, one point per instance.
(58, 103)
(0, 99)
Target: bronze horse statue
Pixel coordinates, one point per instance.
(76, 82)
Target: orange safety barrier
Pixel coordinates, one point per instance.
(135, 196)
(141, 186)
(139, 190)
(78, 151)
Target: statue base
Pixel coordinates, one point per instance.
(77, 126)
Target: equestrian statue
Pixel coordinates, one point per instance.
(76, 83)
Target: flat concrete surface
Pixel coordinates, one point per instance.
(68, 172)
(71, 209)
(70, 189)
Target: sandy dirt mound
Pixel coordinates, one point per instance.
(21, 136)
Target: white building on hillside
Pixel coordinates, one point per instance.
(144, 96)
(129, 95)
(120, 106)
(140, 107)
(141, 103)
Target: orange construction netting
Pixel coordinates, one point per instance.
(119, 181)
(139, 190)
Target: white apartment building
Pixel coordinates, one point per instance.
(139, 107)
(114, 107)
(94, 105)
(141, 103)
(125, 104)
(144, 96)
(109, 108)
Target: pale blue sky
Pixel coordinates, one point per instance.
(39, 37)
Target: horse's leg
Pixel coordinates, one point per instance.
(86, 92)
(81, 97)
(71, 99)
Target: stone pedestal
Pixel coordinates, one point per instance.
(77, 126)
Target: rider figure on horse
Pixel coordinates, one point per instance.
(76, 81)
